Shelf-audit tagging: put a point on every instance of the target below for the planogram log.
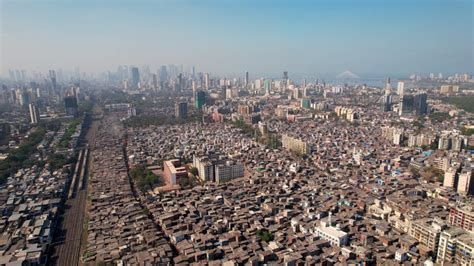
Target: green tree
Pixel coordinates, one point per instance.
(265, 235)
(21, 157)
(194, 171)
(144, 178)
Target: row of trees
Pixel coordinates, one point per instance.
(70, 130)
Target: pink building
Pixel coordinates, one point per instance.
(173, 171)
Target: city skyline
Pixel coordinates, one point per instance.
(323, 38)
(236, 132)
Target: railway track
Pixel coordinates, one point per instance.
(66, 248)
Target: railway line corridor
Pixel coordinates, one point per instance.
(66, 247)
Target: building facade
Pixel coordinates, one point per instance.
(295, 144)
(173, 171)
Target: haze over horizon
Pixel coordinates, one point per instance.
(326, 37)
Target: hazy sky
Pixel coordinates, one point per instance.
(224, 36)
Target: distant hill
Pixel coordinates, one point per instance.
(347, 75)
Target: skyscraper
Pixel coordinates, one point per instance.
(406, 105)
(155, 81)
(420, 105)
(24, 98)
(70, 102)
(179, 82)
(52, 75)
(388, 87)
(387, 103)
(400, 87)
(387, 99)
(163, 73)
(181, 110)
(285, 78)
(199, 99)
(206, 81)
(135, 77)
(267, 85)
(34, 114)
(246, 79)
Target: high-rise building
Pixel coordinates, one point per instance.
(387, 103)
(449, 89)
(52, 75)
(466, 182)
(181, 110)
(450, 178)
(285, 78)
(24, 98)
(200, 99)
(457, 143)
(34, 114)
(217, 168)
(206, 81)
(420, 105)
(406, 105)
(444, 142)
(462, 216)
(296, 93)
(70, 102)
(179, 82)
(246, 79)
(400, 88)
(456, 247)
(229, 93)
(387, 99)
(258, 84)
(427, 232)
(303, 84)
(295, 144)
(388, 87)
(398, 137)
(163, 74)
(306, 103)
(227, 170)
(155, 81)
(267, 85)
(194, 87)
(135, 77)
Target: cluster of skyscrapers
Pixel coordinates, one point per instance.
(408, 103)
